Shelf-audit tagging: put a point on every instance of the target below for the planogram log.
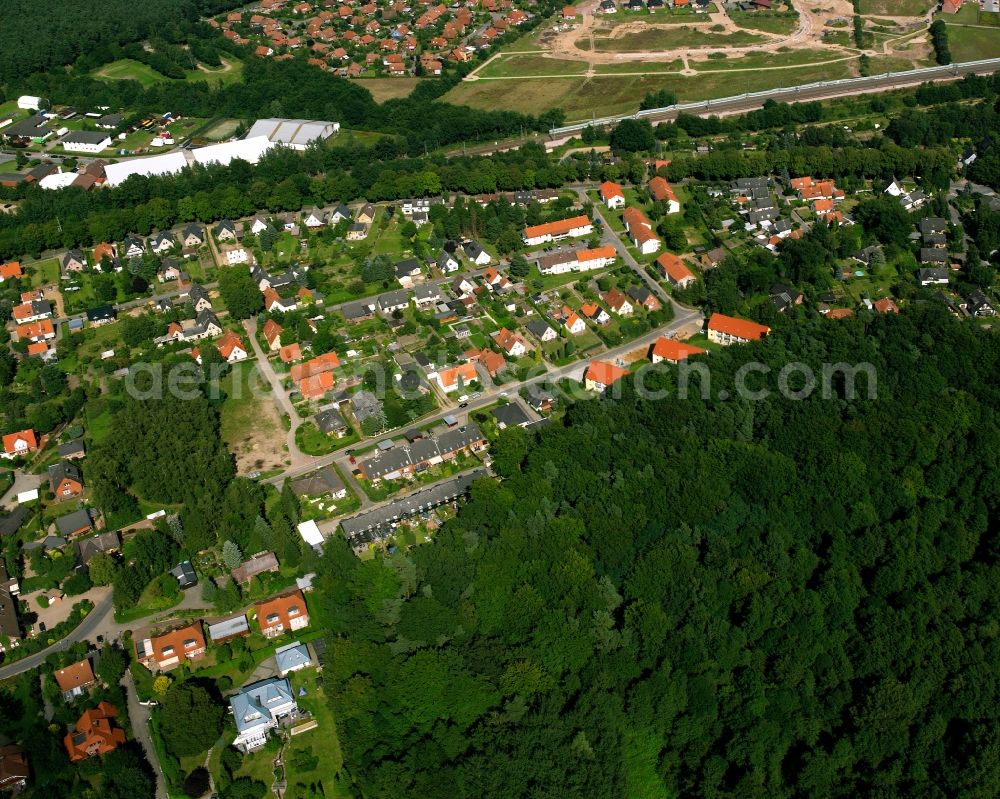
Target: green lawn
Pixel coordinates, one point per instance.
(311, 441)
(972, 44)
(527, 65)
(128, 69)
(769, 22)
(896, 8)
(43, 272)
(231, 71)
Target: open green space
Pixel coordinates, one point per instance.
(896, 8)
(519, 65)
(383, 89)
(231, 71)
(653, 39)
(769, 22)
(788, 58)
(972, 44)
(648, 69)
(582, 98)
(43, 272)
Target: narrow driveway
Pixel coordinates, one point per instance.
(23, 481)
(139, 716)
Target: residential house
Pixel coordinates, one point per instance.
(555, 231)
(76, 523)
(599, 375)
(492, 362)
(426, 294)
(134, 247)
(339, 214)
(259, 224)
(226, 231)
(73, 449)
(171, 648)
(227, 629)
(192, 236)
(977, 305)
(463, 286)
(595, 313)
(365, 214)
(784, 297)
(728, 330)
(321, 483)
(617, 302)
(643, 297)
(510, 415)
(640, 231)
(475, 253)
(447, 262)
(73, 261)
(331, 423)
(930, 255)
(541, 330)
(292, 657)
(573, 323)
(36, 332)
(94, 734)
(11, 271)
(510, 342)
(393, 301)
(75, 679)
(162, 242)
(456, 377)
(32, 311)
(282, 614)
(261, 563)
(672, 351)
(272, 334)
(102, 315)
(19, 444)
(314, 219)
(580, 261)
(933, 277)
(356, 231)
(612, 194)
(407, 272)
(406, 460)
(663, 192)
(539, 399)
(258, 708)
(885, 306)
(673, 269)
(275, 303)
(104, 543)
(199, 298)
(14, 771)
(65, 480)
(495, 281)
(365, 405)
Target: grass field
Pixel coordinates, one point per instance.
(524, 65)
(582, 98)
(971, 44)
(773, 22)
(128, 69)
(383, 89)
(896, 8)
(223, 129)
(654, 39)
(615, 69)
(790, 58)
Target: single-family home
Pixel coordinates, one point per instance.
(235, 254)
(199, 298)
(65, 480)
(314, 219)
(510, 342)
(663, 192)
(640, 231)
(365, 214)
(261, 563)
(933, 277)
(168, 649)
(292, 657)
(19, 444)
(475, 253)
(102, 315)
(541, 329)
(617, 302)
(227, 629)
(573, 323)
(192, 236)
(75, 679)
(14, 769)
(674, 270)
(73, 261)
(643, 297)
(76, 523)
(226, 230)
(457, 377)
(599, 375)
(162, 242)
(672, 351)
(977, 305)
(272, 334)
(595, 313)
(284, 613)
(94, 734)
(612, 194)
(258, 708)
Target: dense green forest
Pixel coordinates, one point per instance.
(36, 37)
(702, 597)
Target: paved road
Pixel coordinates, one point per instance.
(139, 716)
(99, 617)
(23, 481)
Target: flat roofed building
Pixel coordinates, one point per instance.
(293, 133)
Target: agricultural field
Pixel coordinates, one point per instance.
(971, 44)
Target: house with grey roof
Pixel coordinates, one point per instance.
(292, 657)
(104, 543)
(365, 404)
(257, 709)
(75, 523)
(227, 629)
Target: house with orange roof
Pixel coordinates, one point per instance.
(493, 362)
(555, 231)
(640, 231)
(612, 194)
(726, 330)
(885, 306)
(42, 330)
(94, 734)
(595, 313)
(673, 269)
(170, 648)
(326, 362)
(75, 679)
(839, 313)
(663, 192)
(569, 12)
(573, 323)
(290, 353)
(19, 444)
(317, 386)
(272, 334)
(462, 375)
(602, 374)
(510, 342)
(11, 271)
(39, 350)
(823, 207)
(231, 348)
(672, 351)
(286, 613)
